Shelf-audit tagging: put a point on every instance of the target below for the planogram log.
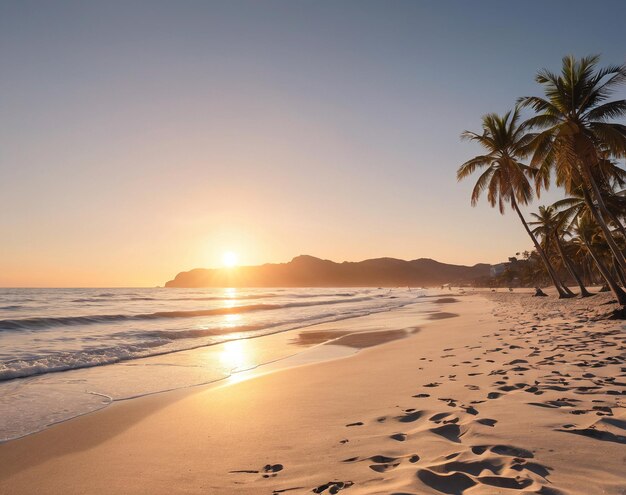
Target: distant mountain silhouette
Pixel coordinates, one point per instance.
(308, 271)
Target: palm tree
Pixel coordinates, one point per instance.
(549, 225)
(585, 232)
(610, 177)
(505, 179)
(545, 235)
(576, 206)
(576, 134)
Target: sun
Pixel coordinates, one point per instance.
(229, 259)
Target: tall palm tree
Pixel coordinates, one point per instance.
(585, 231)
(549, 225)
(505, 179)
(576, 133)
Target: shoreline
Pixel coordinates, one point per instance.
(203, 365)
(210, 440)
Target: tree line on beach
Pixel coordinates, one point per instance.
(572, 138)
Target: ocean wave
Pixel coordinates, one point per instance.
(234, 297)
(48, 322)
(64, 361)
(159, 342)
(166, 299)
(152, 343)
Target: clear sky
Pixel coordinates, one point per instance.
(139, 139)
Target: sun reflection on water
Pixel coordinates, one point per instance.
(231, 294)
(235, 356)
(232, 320)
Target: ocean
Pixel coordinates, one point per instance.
(66, 352)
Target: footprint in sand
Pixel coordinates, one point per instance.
(383, 463)
(455, 476)
(448, 431)
(451, 402)
(468, 467)
(506, 482)
(333, 487)
(454, 484)
(399, 437)
(506, 450)
(409, 416)
(554, 404)
(470, 410)
(381, 468)
(605, 436)
(439, 417)
(270, 470)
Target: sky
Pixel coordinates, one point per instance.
(140, 139)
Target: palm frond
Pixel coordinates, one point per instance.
(470, 166)
(611, 110)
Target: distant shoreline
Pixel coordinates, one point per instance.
(308, 271)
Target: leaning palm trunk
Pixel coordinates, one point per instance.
(562, 293)
(616, 289)
(567, 289)
(570, 268)
(620, 274)
(617, 224)
(597, 215)
(554, 262)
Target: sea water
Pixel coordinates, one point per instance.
(65, 352)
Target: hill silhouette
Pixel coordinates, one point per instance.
(308, 271)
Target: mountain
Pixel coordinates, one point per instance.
(308, 271)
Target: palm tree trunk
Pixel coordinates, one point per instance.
(555, 264)
(616, 289)
(597, 215)
(570, 268)
(567, 290)
(620, 273)
(591, 276)
(617, 223)
(546, 262)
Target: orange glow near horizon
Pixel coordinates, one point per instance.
(224, 127)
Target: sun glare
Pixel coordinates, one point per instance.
(236, 356)
(229, 259)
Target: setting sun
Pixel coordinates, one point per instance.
(229, 259)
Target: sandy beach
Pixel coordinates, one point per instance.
(496, 393)
(315, 247)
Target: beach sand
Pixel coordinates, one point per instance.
(498, 393)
